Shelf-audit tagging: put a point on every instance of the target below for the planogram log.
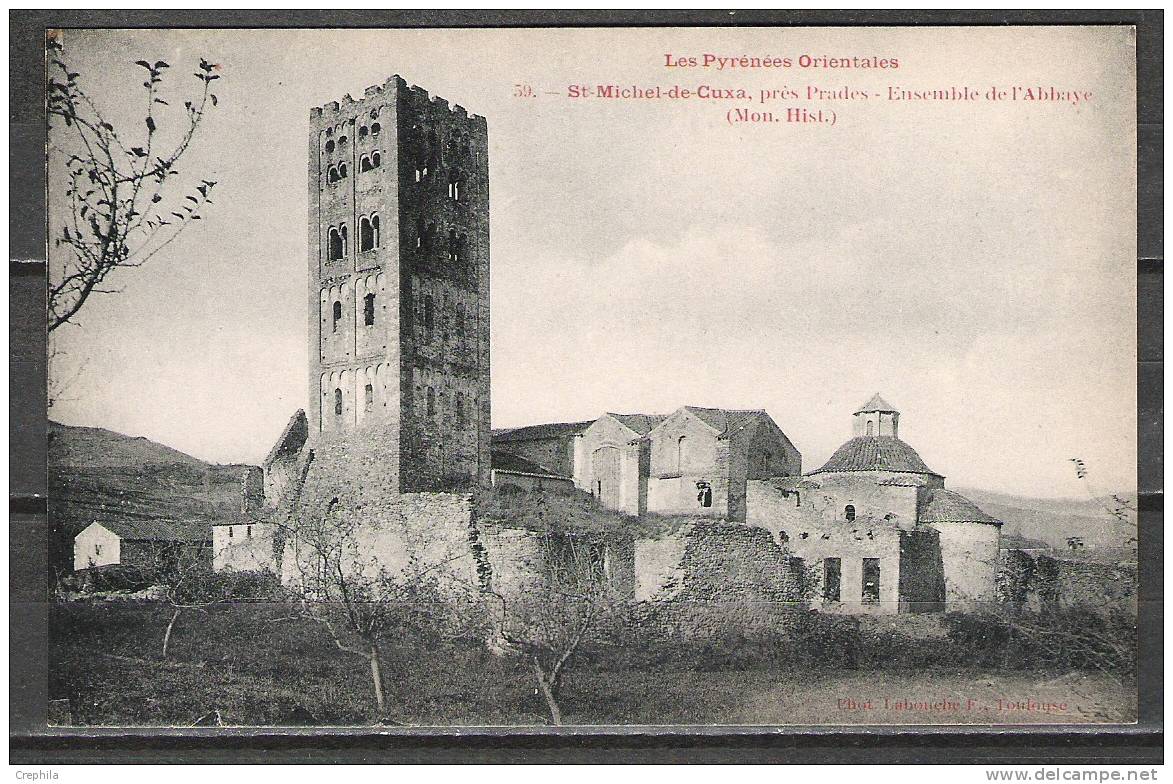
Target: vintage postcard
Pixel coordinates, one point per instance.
(605, 377)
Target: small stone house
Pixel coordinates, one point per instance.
(515, 471)
(143, 543)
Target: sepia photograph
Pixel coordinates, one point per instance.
(592, 377)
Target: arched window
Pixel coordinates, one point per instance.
(455, 186)
(368, 310)
(431, 402)
(345, 240)
(375, 128)
(429, 311)
(329, 145)
(681, 449)
(341, 171)
(362, 132)
(453, 246)
(375, 229)
(337, 315)
(460, 420)
(364, 164)
(337, 244)
(369, 397)
(870, 428)
(337, 402)
(341, 141)
(332, 175)
(366, 235)
(849, 512)
(376, 159)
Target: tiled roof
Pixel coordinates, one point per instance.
(876, 453)
(293, 437)
(640, 423)
(539, 432)
(876, 403)
(725, 421)
(946, 506)
(507, 461)
(160, 530)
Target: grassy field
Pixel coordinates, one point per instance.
(256, 665)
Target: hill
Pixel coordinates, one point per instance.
(97, 474)
(1053, 520)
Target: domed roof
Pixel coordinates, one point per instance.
(876, 453)
(945, 506)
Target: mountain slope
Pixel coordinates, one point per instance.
(97, 474)
(1053, 520)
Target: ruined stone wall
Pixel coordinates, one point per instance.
(1040, 582)
(531, 481)
(714, 579)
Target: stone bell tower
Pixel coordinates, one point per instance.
(399, 284)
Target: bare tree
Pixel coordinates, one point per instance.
(181, 574)
(361, 601)
(572, 601)
(116, 182)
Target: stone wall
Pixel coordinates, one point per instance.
(246, 547)
(712, 579)
(1042, 582)
(969, 553)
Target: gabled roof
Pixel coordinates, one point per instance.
(876, 453)
(292, 439)
(159, 530)
(507, 461)
(876, 403)
(945, 506)
(641, 424)
(725, 421)
(540, 432)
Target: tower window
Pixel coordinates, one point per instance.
(362, 132)
(368, 310)
(329, 145)
(336, 248)
(332, 175)
(453, 247)
(337, 402)
(369, 397)
(368, 233)
(364, 164)
(460, 420)
(431, 397)
(375, 128)
(341, 171)
(376, 159)
(849, 512)
(871, 427)
(455, 186)
(337, 316)
(341, 141)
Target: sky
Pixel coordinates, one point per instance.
(974, 262)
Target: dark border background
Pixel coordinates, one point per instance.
(31, 742)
